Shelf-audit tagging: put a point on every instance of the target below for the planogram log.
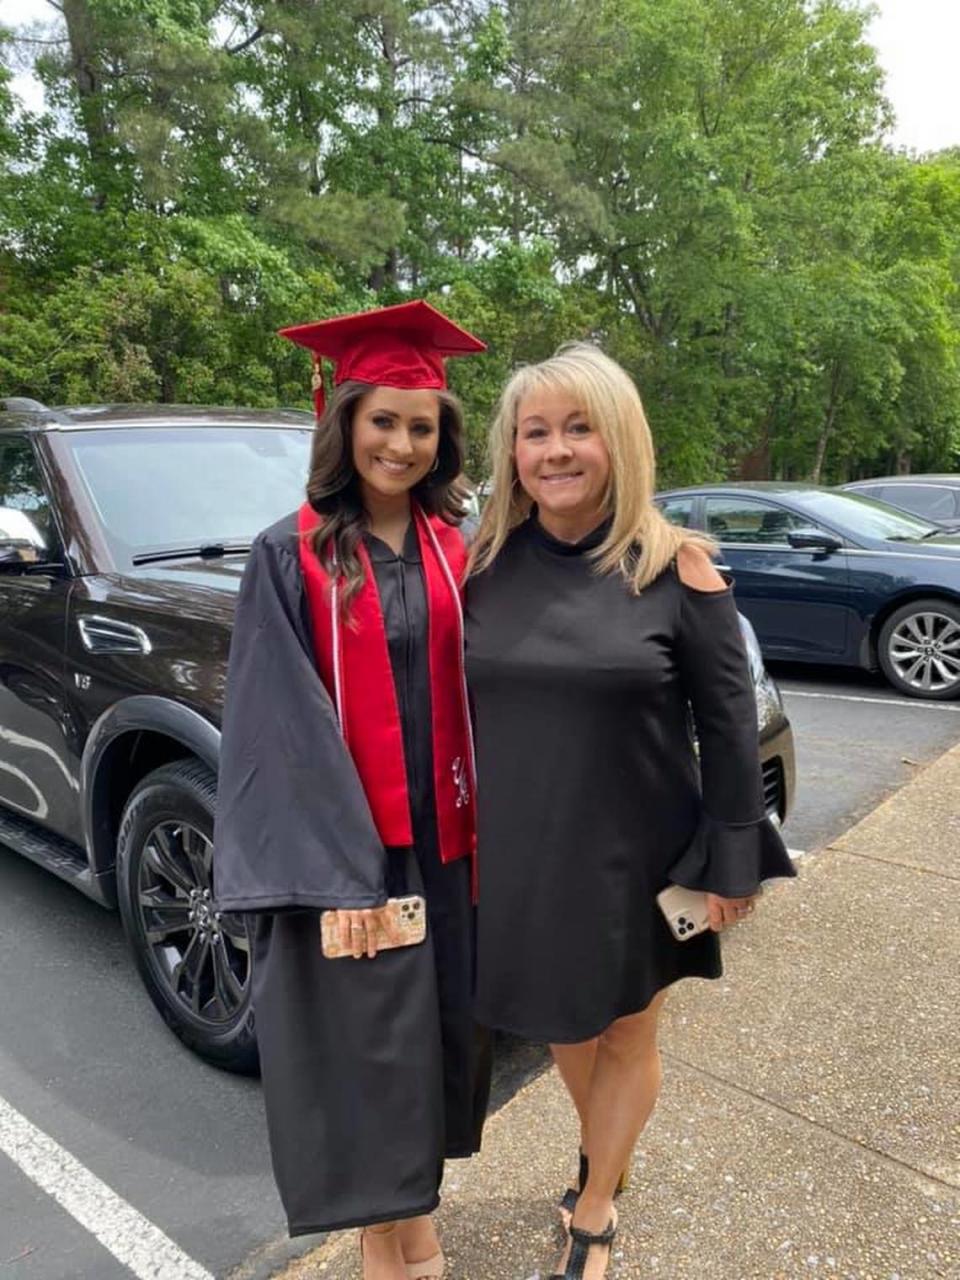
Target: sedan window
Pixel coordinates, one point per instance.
(866, 518)
(932, 501)
(732, 520)
(677, 510)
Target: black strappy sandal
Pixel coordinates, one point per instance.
(568, 1201)
(580, 1250)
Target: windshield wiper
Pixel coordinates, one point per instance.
(206, 551)
(913, 537)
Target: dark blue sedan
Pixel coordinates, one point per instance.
(832, 577)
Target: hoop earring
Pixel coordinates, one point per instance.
(436, 464)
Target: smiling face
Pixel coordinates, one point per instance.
(562, 462)
(396, 433)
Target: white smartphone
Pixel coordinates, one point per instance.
(685, 911)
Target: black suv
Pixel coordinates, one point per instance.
(122, 540)
(123, 532)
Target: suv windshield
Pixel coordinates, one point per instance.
(866, 516)
(169, 487)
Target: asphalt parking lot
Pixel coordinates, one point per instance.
(156, 1165)
(857, 741)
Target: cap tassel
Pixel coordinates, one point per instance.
(316, 382)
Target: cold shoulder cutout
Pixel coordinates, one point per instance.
(697, 571)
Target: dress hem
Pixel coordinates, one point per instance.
(462, 1153)
(348, 1223)
(544, 1037)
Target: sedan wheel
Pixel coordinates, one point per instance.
(194, 959)
(919, 649)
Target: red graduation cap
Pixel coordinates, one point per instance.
(401, 346)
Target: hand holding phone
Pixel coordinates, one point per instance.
(685, 911)
(401, 922)
(691, 911)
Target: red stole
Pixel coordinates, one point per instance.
(354, 663)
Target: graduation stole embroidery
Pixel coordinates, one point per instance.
(354, 663)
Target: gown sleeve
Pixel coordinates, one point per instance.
(293, 827)
(736, 846)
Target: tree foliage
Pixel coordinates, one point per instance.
(699, 185)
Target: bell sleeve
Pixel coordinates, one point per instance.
(735, 846)
(293, 827)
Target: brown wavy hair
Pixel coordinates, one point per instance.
(333, 486)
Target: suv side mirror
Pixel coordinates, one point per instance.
(21, 542)
(813, 540)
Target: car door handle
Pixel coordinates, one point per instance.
(107, 635)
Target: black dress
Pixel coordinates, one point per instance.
(589, 789)
(373, 1071)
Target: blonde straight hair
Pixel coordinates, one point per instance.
(641, 543)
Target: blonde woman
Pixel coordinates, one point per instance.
(592, 626)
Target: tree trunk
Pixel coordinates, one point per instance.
(386, 272)
(822, 441)
(86, 78)
(168, 382)
(461, 245)
(755, 465)
(828, 423)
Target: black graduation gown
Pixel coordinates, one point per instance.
(373, 1071)
(590, 791)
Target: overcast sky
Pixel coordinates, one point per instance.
(918, 42)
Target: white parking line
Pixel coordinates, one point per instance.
(915, 703)
(132, 1240)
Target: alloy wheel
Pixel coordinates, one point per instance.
(202, 955)
(924, 650)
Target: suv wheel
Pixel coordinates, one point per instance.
(195, 961)
(919, 649)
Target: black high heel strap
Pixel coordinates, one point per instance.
(587, 1238)
(568, 1201)
(580, 1250)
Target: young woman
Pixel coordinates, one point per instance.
(592, 626)
(347, 779)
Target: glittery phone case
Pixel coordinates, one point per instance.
(408, 917)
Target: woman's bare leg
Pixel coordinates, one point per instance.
(418, 1239)
(575, 1064)
(623, 1092)
(382, 1256)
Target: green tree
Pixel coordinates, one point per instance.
(700, 185)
